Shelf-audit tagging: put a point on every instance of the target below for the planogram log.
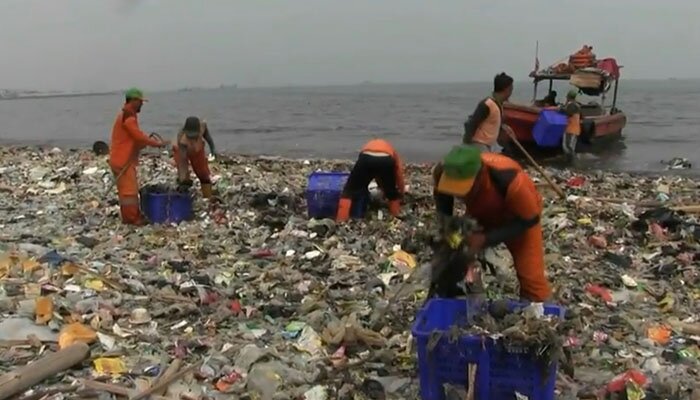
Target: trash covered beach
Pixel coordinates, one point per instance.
(252, 299)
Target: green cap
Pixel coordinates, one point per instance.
(135, 94)
(572, 94)
(460, 167)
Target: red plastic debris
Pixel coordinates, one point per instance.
(619, 383)
(576, 181)
(209, 298)
(236, 307)
(598, 241)
(599, 291)
(226, 381)
(264, 253)
(658, 232)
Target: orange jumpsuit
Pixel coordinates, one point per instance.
(378, 160)
(506, 203)
(127, 142)
(195, 156)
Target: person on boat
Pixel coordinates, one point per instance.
(551, 99)
(572, 109)
(485, 125)
(188, 149)
(127, 142)
(378, 161)
(502, 198)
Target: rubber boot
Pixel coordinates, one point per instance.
(394, 207)
(206, 190)
(131, 215)
(343, 214)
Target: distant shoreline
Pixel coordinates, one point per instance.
(41, 95)
(55, 95)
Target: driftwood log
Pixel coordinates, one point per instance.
(23, 378)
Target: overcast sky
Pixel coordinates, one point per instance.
(162, 44)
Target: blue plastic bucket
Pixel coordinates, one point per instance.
(549, 128)
(323, 193)
(166, 208)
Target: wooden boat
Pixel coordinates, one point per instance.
(600, 122)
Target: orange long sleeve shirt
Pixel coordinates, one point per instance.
(127, 139)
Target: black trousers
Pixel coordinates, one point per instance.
(368, 167)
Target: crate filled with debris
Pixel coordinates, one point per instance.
(489, 350)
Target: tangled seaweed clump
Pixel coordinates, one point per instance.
(258, 299)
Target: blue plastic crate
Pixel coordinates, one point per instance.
(323, 193)
(165, 208)
(500, 371)
(549, 128)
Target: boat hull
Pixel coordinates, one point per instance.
(594, 129)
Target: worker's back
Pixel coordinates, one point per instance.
(379, 146)
(123, 147)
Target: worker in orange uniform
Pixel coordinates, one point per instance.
(484, 127)
(188, 148)
(127, 142)
(379, 161)
(504, 201)
(573, 126)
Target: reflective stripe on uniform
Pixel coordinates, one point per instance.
(376, 153)
(129, 201)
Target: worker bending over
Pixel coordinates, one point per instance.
(377, 161)
(127, 142)
(188, 148)
(503, 200)
(485, 125)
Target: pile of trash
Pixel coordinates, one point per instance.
(252, 299)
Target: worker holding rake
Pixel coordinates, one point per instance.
(127, 142)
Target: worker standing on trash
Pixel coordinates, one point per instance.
(378, 161)
(484, 127)
(504, 201)
(573, 126)
(188, 149)
(127, 142)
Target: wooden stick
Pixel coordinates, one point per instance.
(689, 209)
(471, 381)
(40, 394)
(638, 203)
(686, 328)
(114, 389)
(172, 369)
(25, 377)
(164, 383)
(539, 169)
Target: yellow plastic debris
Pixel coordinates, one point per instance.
(402, 261)
(109, 366)
(95, 284)
(585, 221)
